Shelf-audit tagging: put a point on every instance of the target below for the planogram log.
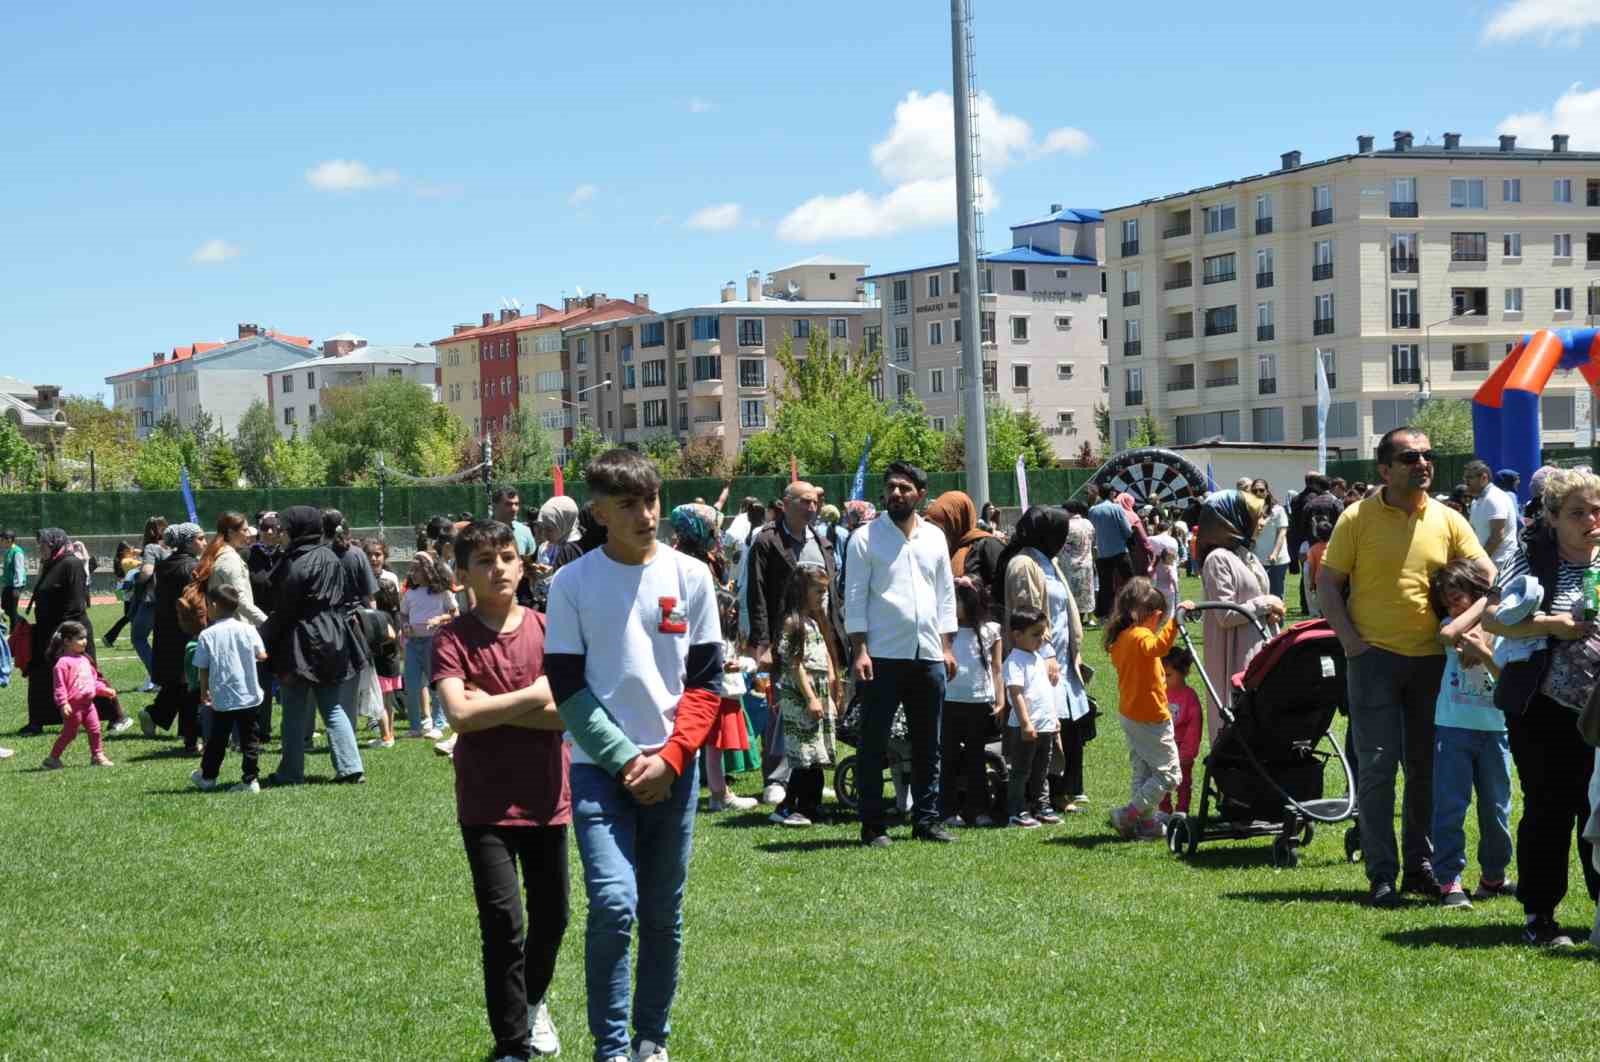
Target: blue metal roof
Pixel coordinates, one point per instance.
(1069, 216)
(1015, 256)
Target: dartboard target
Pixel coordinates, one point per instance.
(1153, 477)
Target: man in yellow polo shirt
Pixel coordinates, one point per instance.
(1384, 550)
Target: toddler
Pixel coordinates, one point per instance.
(973, 701)
(1139, 641)
(77, 683)
(1030, 672)
(225, 659)
(1186, 716)
(731, 732)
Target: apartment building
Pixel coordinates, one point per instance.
(1413, 269)
(297, 393)
(1043, 309)
(710, 370)
(221, 378)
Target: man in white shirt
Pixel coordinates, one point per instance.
(900, 614)
(1493, 515)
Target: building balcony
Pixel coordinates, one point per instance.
(1405, 320)
(1218, 392)
(1182, 383)
(1402, 210)
(1322, 217)
(1177, 283)
(1265, 333)
(1130, 248)
(1263, 280)
(1267, 385)
(899, 308)
(1130, 298)
(708, 424)
(706, 389)
(1182, 394)
(1133, 398)
(903, 354)
(1185, 332)
(1263, 226)
(1222, 278)
(1322, 326)
(1183, 228)
(1402, 264)
(1132, 348)
(1460, 255)
(1224, 329)
(1322, 271)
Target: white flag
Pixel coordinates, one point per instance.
(1324, 400)
(1022, 484)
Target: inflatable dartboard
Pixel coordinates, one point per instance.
(1153, 477)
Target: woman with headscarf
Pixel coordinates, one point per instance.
(557, 529)
(1140, 554)
(315, 651)
(1077, 558)
(1229, 571)
(60, 593)
(974, 551)
(1034, 579)
(175, 700)
(695, 527)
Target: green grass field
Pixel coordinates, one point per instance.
(145, 920)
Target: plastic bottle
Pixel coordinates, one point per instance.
(1591, 594)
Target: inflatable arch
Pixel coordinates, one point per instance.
(1505, 411)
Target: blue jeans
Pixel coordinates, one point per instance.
(635, 864)
(419, 670)
(1467, 762)
(1277, 574)
(143, 623)
(918, 685)
(1392, 698)
(336, 704)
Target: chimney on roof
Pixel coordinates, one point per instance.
(641, 298)
(158, 357)
(1291, 160)
(544, 309)
(1402, 140)
(1508, 142)
(488, 319)
(1055, 208)
(1364, 144)
(506, 314)
(752, 286)
(456, 330)
(730, 291)
(1452, 141)
(1558, 142)
(248, 330)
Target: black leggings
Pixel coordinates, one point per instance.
(805, 791)
(963, 733)
(1553, 765)
(1068, 783)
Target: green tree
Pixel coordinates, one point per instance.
(663, 449)
(397, 418)
(1102, 428)
(295, 463)
(219, 465)
(1447, 423)
(703, 458)
(159, 462)
(107, 434)
(253, 440)
(587, 444)
(1009, 432)
(20, 466)
(1146, 432)
(826, 398)
(523, 451)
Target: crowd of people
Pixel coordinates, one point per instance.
(593, 677)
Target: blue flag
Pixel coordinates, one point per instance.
(1211, 482)
(858, 489)
(188, 494)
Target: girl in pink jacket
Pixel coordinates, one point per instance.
(77, 684)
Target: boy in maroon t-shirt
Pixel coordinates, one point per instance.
(512, 799)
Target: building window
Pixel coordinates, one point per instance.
(872, 338)
(1192, 427)
(605, 342)
(474, 389)
(1341, 421)
(902, 385)
(1219, 268)
(1063, 322)
(1264, 268)
(1469, 247)
(986, 326)
(1469, 302)
(654, 373)
(1105, 329)
(1510, 190)
(1131, 329)
(707, 367)
(938, 424)
(1267, 374)
(902, 342)
(1511, 245)
(1019, 280)
(653, 334)
(902, 294)
(1513, 300)
(1473, 358)
(1130, 236)
(1321, 204)
(955, 330)
(682, 374)
(1558, 412)
(877, 387)
(1563, 300)
(1561, 245)
(583, 350)
(991, 377)
(1019, 377)
(1219, 217)
(1404, 365)
(800, 329)
(1133, 387)
(288, 384)
(1467, 193)
(753, 372)
(935, 285)
(1222, 320)
(1019, 329)
(839, 327)
(936, 381)
(935, 333)
(311, 381)
(707, 326)
(752, 332)
(288, 414)
(1389, 414)
(1322, 260)
(1266, 425)
(655, 413)
(1562, 190)
(1323, 312)
(1063, 370)
(680, 335)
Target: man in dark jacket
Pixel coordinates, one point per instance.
(1300, 527)
(261, 559)
(314, 649)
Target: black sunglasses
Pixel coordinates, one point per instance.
(1411, 457)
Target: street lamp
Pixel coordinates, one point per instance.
(1427, 365)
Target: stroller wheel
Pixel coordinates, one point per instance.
(1352, 844)
(1307, 832)
(1182, 837)
(844, 783)
(1283, 853)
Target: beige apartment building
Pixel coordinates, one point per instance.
(711, 370)
(1044, 326)
(1412, 269)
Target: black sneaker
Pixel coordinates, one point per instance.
(1382, 894)
(1543, 932)
(1420, 883)
(875, 839)
(1488, 890)
(935, 832)
(1456, 898)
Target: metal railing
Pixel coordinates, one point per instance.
(1179, 282)
(1183, 229)
(1402, 210)
(1223, 329)
(1132, 348)
(1222, 278)
(1133, 398)
(1402, 264)
(1265, 333)
(1322, 217)
(1267, 386)
(1322, 326)
(1405, 320)
(1264, 280)
(1130, 298)
(1130, 248)
(1322, 271)
(1181, 333)
(1181, 384)
(1263, 226)
(1223, 381)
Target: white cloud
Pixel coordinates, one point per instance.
(348, 175)
(698, 105)
(582, 194)
(917, 159)
(718, 218)
(214, 252)
(1575, 112)
(1550, 21)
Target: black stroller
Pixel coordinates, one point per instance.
(897, 759)
(1264, 774)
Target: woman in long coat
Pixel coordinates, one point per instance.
(1229, 571)
(60, 594)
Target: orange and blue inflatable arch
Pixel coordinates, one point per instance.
(1505, 411)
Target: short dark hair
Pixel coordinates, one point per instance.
(623, 473)
(505, 493)
(751, 506)
(8, 535)
(1386, 445)
(1179, 659)
(1316, 483)
(481, 533)
(1076, 508)
(224, 598)
(1092, 492)
(907, 471)
(1022, 617)
(1476, 468)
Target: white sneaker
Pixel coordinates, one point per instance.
(148, 687)
(252, 786)
(379, 743)
(201, 782)
(433, 733)
(147, 722)
(735, 802)
(125, 723)
(794, 818)
(542, 1031)
(649, 1051)
(447, 747)
(773, 794)
(6, 754)
(776, 818)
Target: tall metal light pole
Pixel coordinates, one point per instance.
(964, 100)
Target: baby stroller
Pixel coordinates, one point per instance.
(897, 760)
(1264, 775)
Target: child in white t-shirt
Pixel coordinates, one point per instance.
(1030, 672)
(973, 701)
(226, 656)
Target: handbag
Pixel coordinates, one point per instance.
(1519, 682)
(21, 644)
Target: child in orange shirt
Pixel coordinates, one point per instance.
(1138, 641)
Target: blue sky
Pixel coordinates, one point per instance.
(391, 168)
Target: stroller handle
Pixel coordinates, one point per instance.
(1183, 631)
